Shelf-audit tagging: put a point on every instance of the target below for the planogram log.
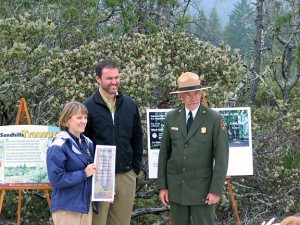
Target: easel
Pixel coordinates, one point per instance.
(227, 179)
(233, 201)
(22, 111)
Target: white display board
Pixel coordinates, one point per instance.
(155, 126)
(238, 123)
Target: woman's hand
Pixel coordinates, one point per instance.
(90, 170)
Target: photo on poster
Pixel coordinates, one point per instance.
(103, 186)
(238, 124)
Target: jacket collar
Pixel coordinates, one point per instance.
(99, 99)
(66, 136)
(198, 120)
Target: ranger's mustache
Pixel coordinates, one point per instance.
(194, 102)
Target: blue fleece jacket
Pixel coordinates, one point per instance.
(71, 188)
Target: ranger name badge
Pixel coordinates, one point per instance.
(203, 130)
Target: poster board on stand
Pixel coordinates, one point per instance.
(23, 154)
(238, 123)
(155, 126)
(7, 135)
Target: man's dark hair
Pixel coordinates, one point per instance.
(106, 63)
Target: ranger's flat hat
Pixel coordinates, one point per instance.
(188, 82)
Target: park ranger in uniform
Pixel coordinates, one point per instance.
(193, 158)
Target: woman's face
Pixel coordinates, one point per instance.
(77, 123)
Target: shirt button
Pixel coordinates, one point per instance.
(183, 181)
(184, 157)
(183, 169)
(185, 145)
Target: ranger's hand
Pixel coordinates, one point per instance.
(164, 196)
(212, 198)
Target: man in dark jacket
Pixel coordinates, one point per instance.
(193, 157)
(114, 119)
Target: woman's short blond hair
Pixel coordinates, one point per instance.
(291, 220)
(69, 110)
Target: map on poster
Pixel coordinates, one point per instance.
(23, 154)
(238, 124)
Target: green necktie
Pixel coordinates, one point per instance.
(190, 121)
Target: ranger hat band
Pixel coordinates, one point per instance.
(188, 82)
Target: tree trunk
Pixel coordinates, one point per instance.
(257, 49)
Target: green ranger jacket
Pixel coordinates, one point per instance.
(194, 164)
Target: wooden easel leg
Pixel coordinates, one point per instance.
(19, 207)
(170, 219)
(47, 197)
(1, 199)
(233, 201)
(22, 118)
(22, 111)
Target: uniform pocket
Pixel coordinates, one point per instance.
(171, 169)
(175, 135)
(203, 173)
(201, 137)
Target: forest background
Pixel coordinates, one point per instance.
(49, 49)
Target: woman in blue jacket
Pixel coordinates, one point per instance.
(70, 168)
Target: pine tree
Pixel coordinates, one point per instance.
(214, 27)
(240, 30)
